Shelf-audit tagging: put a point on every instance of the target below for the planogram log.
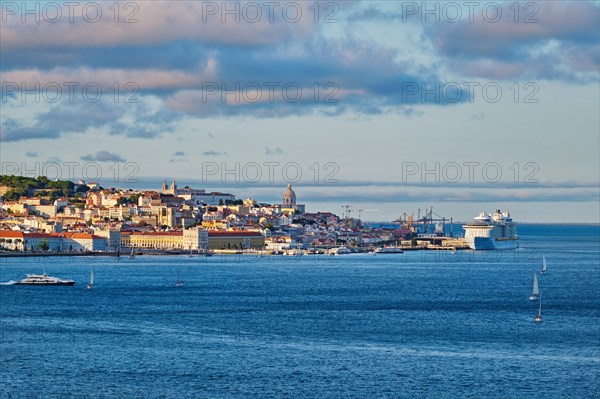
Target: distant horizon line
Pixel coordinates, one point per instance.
(518, 222)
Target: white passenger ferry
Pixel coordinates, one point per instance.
(43, 279)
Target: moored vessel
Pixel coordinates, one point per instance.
(339, 251)
(495, 231)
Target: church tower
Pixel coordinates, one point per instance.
(289, 197)
(164, 188)
(173, 188)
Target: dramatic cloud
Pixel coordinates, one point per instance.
(103, 156)
(181, 60)
(548, 40)
(556, 40)
(155, 23)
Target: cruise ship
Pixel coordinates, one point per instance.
(495, 231)
(43, 279)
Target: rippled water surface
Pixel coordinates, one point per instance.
(419, 324)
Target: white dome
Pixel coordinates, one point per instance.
(289, 196)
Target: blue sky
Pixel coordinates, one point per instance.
(382, 105)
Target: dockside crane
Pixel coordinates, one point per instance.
(406, 221)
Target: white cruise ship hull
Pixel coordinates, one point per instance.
(488, 243)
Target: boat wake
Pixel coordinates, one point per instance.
(11, 282)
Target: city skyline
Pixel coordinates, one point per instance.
(384, 105)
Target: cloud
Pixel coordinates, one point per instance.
(158, 22)
(103, 156)
(328, 77)
(121, 84)
(394, 191)
(180, 66)
(146, 118)
(178, 156)
(478, 116)
(211, 153)
(274, 151)
(551, 40)
(32, 154)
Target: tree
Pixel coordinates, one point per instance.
(43, 245)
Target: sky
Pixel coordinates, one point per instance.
(389, 107)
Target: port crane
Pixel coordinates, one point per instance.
(406, 221)
(347, 211)
(421, 224)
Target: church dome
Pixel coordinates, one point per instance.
(289, 196)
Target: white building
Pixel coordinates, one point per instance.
(195, 238)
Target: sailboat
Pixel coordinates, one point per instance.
(179, 282)
(544, 267)
(91, 283)
(131, 255)
(538, 317)
(535, 292)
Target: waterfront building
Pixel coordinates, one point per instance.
(152, 239)
(241, 239)
(26, 241)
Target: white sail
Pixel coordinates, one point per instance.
(535, 285)
(538, 317)
(544, 264)
(91, 283)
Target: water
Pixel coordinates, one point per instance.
(420, 324)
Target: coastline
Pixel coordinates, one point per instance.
(218, 252)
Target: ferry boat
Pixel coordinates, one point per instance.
(43, 279)
(495, 231)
